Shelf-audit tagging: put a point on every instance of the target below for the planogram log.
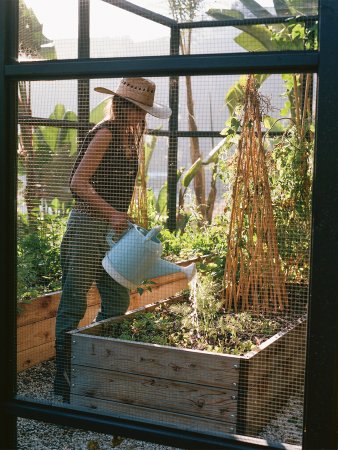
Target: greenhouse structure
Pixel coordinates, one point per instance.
(169, 238)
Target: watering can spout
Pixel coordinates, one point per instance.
(190, 271)
(162, 268)
(136, 257)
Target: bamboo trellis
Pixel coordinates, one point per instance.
(253, 277)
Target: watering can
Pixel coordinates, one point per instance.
(136, 257)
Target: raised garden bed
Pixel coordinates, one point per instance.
(36, 320)
(183, 388)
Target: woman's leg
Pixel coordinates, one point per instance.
(115, 298)
(80, 260)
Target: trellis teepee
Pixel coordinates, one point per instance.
(253, 277)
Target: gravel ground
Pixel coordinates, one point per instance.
(288, 426)
(36, 383)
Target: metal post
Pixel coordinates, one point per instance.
(173, 139)
(320, 410)
(8, 51)
(83, 96)
(168, 65)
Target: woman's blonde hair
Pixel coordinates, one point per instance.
(117, 111)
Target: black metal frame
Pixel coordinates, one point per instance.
(320, 411)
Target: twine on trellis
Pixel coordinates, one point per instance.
(253, 277)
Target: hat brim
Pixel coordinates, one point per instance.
(156, 110)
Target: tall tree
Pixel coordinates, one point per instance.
(183, 11)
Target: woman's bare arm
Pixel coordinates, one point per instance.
(82, 186)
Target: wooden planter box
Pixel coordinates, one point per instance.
(187, 389)
(36, 320)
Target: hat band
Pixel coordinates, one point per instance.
(136, 94)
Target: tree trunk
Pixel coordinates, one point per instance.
(199, 179)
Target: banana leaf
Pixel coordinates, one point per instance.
(191, 173)
(281, 8)
(222, 14)
(162, 199)
(272, 124)
(50, 134)
(255, 8)
(250, 43)
(161, 203)
(211, 158)
(214, 153)
(58, 113)
(68, 135)
(149, 150)
(300, 6)
(97, 114)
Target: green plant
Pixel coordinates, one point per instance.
(31, 45)
(260, 37)
(291, 180)
(39, 269)
(208, 328)
(291, 35)
(196, 241)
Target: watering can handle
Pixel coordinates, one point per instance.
(110, 236)
(152, 233)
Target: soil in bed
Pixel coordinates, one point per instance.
(210, 329)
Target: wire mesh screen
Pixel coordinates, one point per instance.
(248, 38)
(48, 33)
(219, 342)
(117, 30)
(192, 316)
(196, 10)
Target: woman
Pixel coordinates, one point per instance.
(102, 183)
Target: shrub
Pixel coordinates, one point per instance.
(38, 250)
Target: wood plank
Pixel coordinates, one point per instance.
(157, 416)
(36, 333)
(36, 320)
(157, 293)
(33, 335)
(274, 373)
(39, 333)
(199, 367)
(193, 399)
(33, 356)
(42, 346)
(45, 307)
(40, 308)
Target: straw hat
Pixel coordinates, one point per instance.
(141, 92)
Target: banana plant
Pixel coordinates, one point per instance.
(98, 113)
(275, 37)
(230, 139)
(139, 203)
(32, 44)
(55, 150)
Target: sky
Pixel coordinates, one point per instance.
(60, 18)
